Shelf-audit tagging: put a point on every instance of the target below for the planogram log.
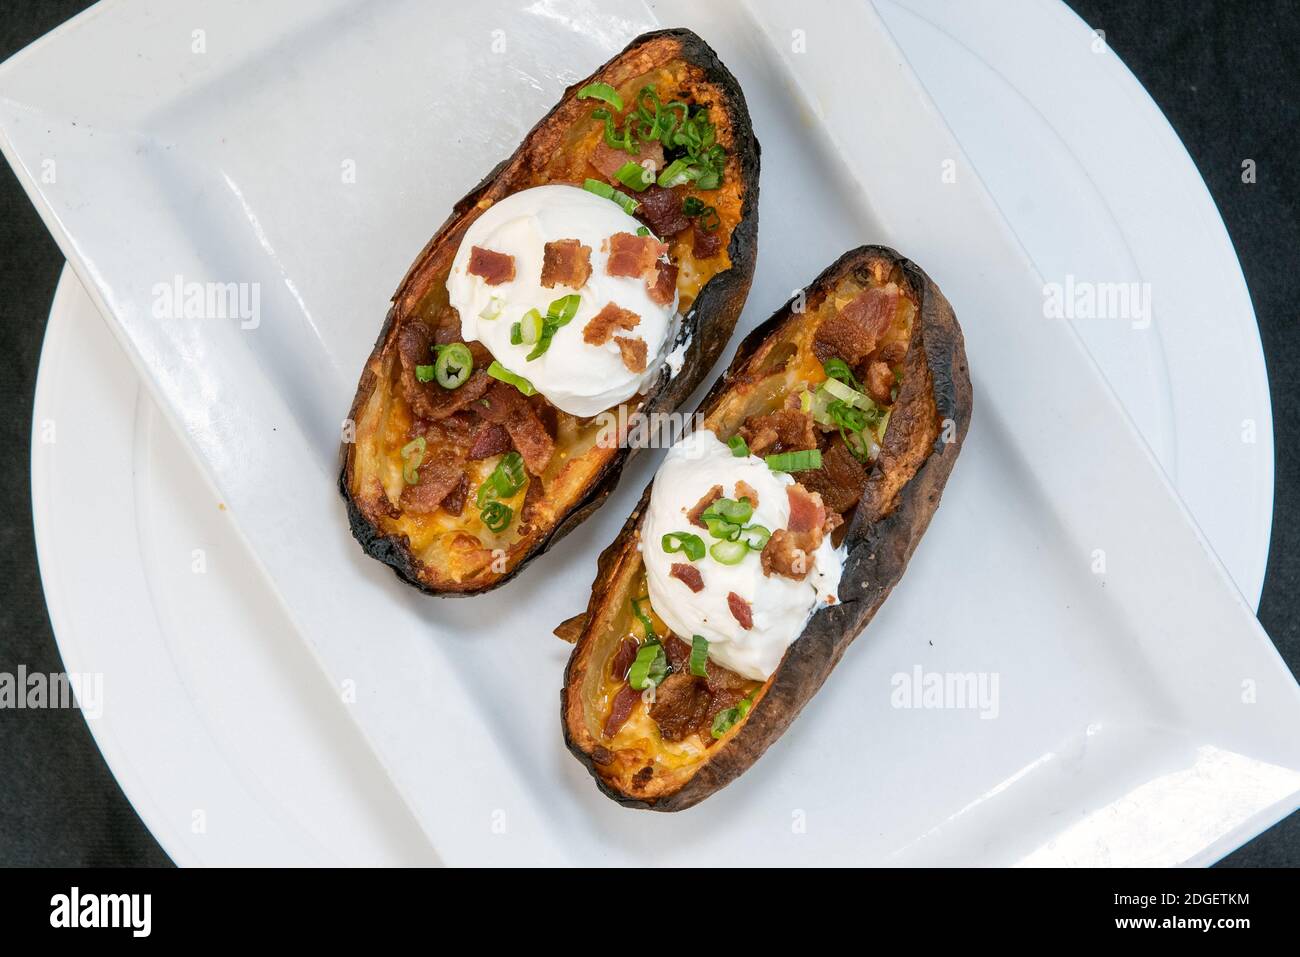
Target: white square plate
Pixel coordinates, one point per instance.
(1142, 715)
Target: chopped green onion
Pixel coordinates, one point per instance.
(735, 512)
(739, 447)
(606, 191)
(794, 461)
(844, 393)
(497, 371)
(720, 528)
(755, 536)
(643, 231)
(424, 373)
(516, 334)
(505, 480)
(699, 656)
(496, 516)
(674, 174)
(643, 617)
(839, 369)
(558, 314)
(650, 666)
(530, 327)
(635, 176)
(691, 545)
(726, 719)
(455, 363)
(412, 457)
(602, 91)
(493, 308)
(729, 553)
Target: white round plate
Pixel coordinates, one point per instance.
(217, 722)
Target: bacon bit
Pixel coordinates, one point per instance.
(602, 755)
(642, 777)
(740, 610)
(633, 256)
(567, 262)
(688, 575)
(494, 268)
(620, 709)
(506, 406)
(786, 430)
(664, 286)
(623, 658)
(719, 679)
(439, 473)
(601, 326)
(633, 352)
(609, 160)
(854, 331)
(489, 440)
(454, 503)
(784, 555)
(681, 706)
(661, 210)
(891, 353)
(678, 651)
(745, 490)
(880, 382)
(706, 244)
(711, 496)
(807, 513)
(839, 481)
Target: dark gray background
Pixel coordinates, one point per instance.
(1226, 74)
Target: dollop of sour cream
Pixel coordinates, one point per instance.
(575, 376)
(781, 606)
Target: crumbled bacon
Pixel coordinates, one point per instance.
(601, 326)
(785, 555)
(428, 400)
(623, 658)
(505, 405)
(891, 353)
(681, 706)
(840, 480)
(688, 575)
(609, 160)
(439, 472)
(661, 210)
(491, 439)
(740, 610)
(633, 352)
(663, 286)
(880, 382)
(633, 256)
(620, 709)
(854, 331)
(705, 243)
(454, 503)
(702, 506)
(745, 490)
(786, 430)
(807, 514)
(565, 262)
(493, 267)
(678, 652)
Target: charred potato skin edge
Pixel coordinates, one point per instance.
(878, 551)
(720, 300)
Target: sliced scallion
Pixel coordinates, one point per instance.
(794, 461)
(412, 457)
(729, 553)
(699, 656)
(739, 447)
(692, 546)
(642, 616)
(604, 92)
(755, 536)
(634, 176)
(530, 327)
(424, 373)
(650, 666)
(496, 516)
(454, 365)
(606, 191)
(497, 371)
(493, 308)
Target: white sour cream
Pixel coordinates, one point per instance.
(781, 606)
(580, 378)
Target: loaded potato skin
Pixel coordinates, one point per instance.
(882, 506)
(461, 472)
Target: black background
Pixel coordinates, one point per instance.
(1227, 74)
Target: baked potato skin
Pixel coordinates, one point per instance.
(882, 535)
(706, 328)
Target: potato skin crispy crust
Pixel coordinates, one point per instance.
(924, 437)
(706, 328)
